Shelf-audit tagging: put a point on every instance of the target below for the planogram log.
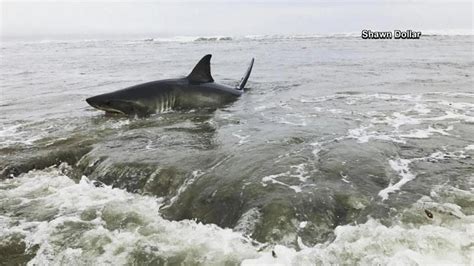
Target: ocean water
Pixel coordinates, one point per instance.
(342, 151)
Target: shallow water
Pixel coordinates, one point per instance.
(342, 151)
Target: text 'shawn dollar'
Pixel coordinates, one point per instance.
(396, 34)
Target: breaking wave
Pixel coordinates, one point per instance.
(59, 221)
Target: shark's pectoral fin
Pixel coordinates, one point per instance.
(202, 71)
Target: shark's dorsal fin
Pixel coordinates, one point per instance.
(202, 71)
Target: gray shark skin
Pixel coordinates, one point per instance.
(197, 90)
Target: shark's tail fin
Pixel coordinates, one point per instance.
(243, 81)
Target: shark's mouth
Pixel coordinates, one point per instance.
(112, 111)
(117, 106)
(108, 109)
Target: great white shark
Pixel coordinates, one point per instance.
(197, 90)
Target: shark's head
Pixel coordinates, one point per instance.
(115, 105)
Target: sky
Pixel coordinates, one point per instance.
(107, 19)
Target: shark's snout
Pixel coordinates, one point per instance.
(100, 103)
(105, 103)
(97, 101)
(90, 101)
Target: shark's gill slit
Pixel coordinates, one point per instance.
(163, 103)
(162, 108)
